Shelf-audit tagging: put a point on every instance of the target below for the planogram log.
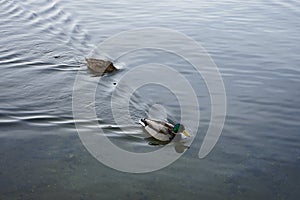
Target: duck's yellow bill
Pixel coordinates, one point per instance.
(186, 133)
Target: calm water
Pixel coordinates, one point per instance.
(256, 47)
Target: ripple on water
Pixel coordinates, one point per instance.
(255, 45)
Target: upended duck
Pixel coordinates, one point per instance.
(100, 66)
(163, 131)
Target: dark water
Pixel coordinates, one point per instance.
(256, 47)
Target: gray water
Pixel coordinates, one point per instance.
(255, 44)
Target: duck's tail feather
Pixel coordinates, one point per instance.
(143, 122)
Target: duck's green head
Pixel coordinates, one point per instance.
(179, 128)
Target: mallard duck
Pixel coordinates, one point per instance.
(163, 131)
(100, 66)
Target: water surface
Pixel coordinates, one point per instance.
(256, 47)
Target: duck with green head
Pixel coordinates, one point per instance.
(163, 131)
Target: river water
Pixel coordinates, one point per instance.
(255, 45)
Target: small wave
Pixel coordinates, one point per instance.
(292, 5)
(46, 19)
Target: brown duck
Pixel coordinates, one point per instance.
(100, 66)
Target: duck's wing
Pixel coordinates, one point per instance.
(158, 125)
(159, 130)
(158, 135)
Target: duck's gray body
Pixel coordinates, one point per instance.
(100, 66)
(161, 131)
